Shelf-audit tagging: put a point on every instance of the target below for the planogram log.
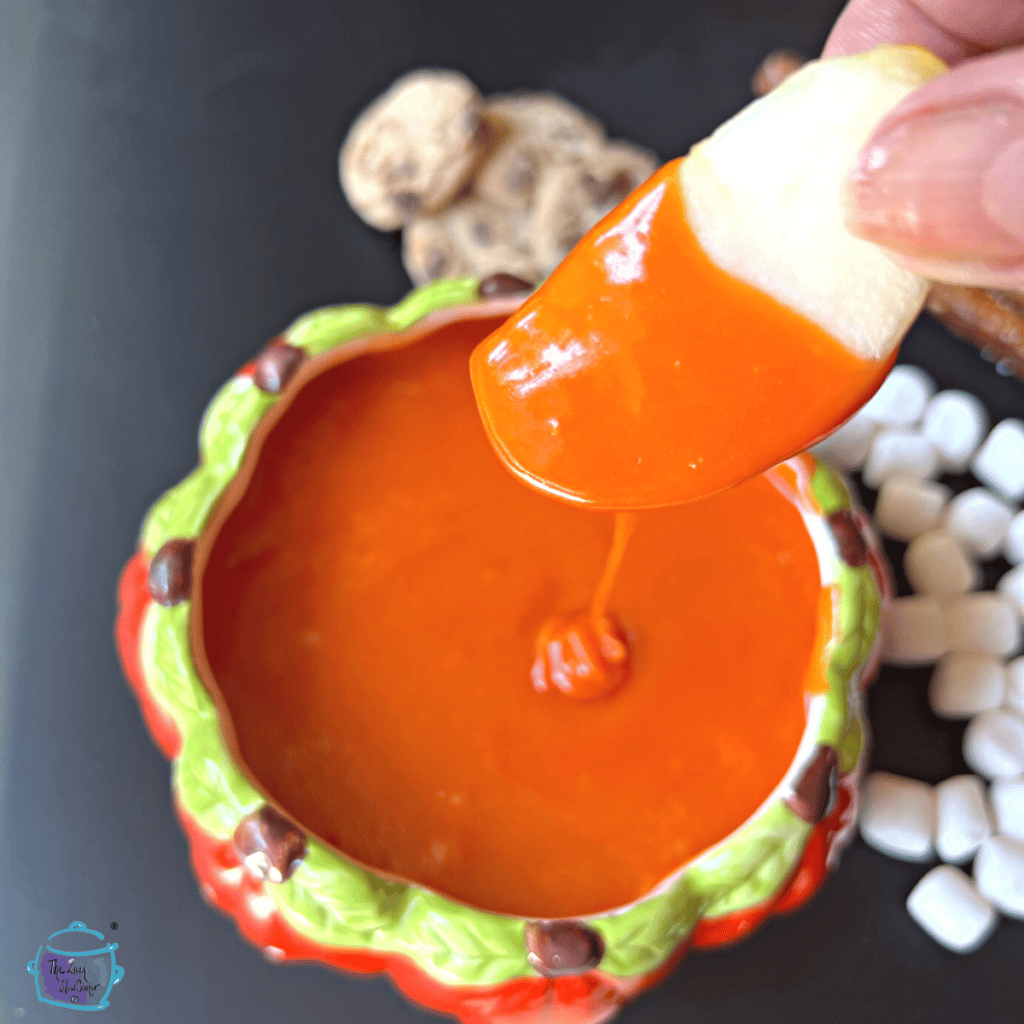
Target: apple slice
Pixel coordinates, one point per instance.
(763, 195)
(718, 321)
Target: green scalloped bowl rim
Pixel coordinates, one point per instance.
(330, 900)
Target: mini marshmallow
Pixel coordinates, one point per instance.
(935, 563)
(897, 816)
(847, 448)
(999, 874)
(902, 398)
(955, 422)
(963, 685)
(994, 744)
(1011, 586)
(1015, 685)
(979, 520)
(1007, 796)
(1013, 542)
(1000, 461)
(982, 623)
(961, 818)
(896, 451)
(914, 631)
(948, 906)
(907, 508)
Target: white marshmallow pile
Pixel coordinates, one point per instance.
(994, 743)
(907, 508)
(847, 448)
(955, 422)
(901, 440)
(1011, 586)
(964, 685)
(898, 451)
(914, 631)
(999, 874)
(936, 564)
(948, 906)
(979, 520)
(1013, 545)
(1015, 685)
(955, 820)
(983, 623)
(1000, 460)
(897, 816)
(962, 818)
(1007, 797)
(902, 399)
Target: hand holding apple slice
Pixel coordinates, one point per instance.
(718, 321)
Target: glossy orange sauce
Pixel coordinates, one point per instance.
(586, 654)
(640, 375)
(370, 609)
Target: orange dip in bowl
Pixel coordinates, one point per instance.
(369, 608)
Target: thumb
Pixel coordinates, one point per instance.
(941, 180)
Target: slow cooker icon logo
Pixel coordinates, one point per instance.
(75, 971)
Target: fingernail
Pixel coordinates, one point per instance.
(1002, 194)
(945, 187)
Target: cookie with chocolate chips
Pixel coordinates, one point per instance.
(475, 237)
(414, 148)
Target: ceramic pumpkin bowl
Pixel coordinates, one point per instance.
(225, 673)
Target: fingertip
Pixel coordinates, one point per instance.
(865, 24)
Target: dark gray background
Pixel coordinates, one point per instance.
(168, 201)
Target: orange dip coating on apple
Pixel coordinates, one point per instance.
(369, 611)
(640, 375)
